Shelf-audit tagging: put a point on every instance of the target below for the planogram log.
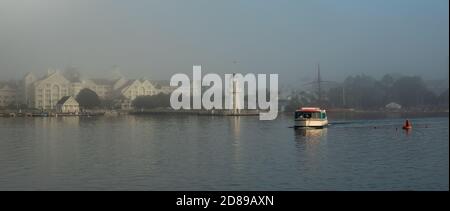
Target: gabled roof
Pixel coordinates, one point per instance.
(128, 83)
(64, 100)
(46, 77)
(75, 80)
(393, 105)
(118, 79)
(100, 81)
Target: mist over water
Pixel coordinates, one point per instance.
(156, 39)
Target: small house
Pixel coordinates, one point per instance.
(393, 106)
(68, 104)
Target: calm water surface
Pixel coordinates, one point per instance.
(221, 153)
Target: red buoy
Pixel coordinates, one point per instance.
(407, 125)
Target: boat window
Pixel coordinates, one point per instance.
(302, 114)
(316, 115)
(308, 115)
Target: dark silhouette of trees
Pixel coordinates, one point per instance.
(88, 99)
(411, 92)
(160, 100)
(360, 91)
(443, 99)
(365, 92)
(108, 103)
(301, 99)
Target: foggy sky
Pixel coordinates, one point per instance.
(156, 39)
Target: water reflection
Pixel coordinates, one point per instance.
(235, 130)
(219, 153)
(407, 132)
(236, 127)
(309, 143)
(309, 139)
(310, 134)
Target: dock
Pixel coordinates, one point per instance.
(50, 114)
(197, 112)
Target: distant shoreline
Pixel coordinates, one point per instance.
(331, 113)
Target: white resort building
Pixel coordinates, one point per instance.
(45, 93)
(8, 94)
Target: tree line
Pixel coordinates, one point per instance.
(358, 92)
(365, 92)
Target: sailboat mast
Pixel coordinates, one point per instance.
(319, 81)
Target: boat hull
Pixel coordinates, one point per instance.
(319, 123)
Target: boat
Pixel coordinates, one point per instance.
(407, 125)
(311, 117)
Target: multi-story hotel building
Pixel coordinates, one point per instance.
(44, 93)
(8, 94)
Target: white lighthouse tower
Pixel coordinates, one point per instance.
(236, 95)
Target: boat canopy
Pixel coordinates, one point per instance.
(309, 109)
(310, 113)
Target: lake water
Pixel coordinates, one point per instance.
(221, 153)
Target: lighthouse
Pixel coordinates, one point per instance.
(236, 95)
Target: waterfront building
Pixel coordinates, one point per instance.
(167, 89)
(44, 93)
(393, 106)
(76, 87)
(134, 88)
(49, 90)
(103, 87)
(68, 104)
(124, 103)
(8, 93)
(163, 86)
